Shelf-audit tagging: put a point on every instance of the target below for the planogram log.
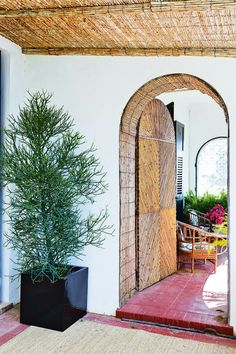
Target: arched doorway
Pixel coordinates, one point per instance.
(128, 184)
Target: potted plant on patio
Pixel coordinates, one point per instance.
(50, 177)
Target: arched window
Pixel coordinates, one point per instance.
(211, 166)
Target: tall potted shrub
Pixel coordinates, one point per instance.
(50, 176)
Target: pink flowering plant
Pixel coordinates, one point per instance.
(216, 214)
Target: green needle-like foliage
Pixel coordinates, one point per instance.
(49, 176)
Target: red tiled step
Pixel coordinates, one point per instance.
(192, 300)
(194, 321)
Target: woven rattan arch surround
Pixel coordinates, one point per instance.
(128, 130)
(155, 87)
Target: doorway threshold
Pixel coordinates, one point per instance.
(208, 331)
(188, 300)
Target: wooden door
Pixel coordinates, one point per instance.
(155, 196)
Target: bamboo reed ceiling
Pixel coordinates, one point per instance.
(121, 27)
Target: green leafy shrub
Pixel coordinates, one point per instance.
(205, 202)
(50, 176)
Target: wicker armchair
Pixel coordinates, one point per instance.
(198, 219)
(195, 243)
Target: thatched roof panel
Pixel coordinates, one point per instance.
(121, 27)
(46, 4)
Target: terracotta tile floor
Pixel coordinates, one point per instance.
(194, 300)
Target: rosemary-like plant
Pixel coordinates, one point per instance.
(49, 176)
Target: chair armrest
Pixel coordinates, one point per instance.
(210, 236)
(202, 220)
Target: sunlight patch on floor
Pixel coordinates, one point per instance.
(215, 289)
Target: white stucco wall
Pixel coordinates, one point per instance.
(12, 77)
(95, 90)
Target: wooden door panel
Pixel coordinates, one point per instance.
(148, 174)
(167, 229)
(149, 243)
(166, 127)
(167, 175)
(149, 121)
(156, 122)
(155, 198)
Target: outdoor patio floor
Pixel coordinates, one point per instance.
(192, 300)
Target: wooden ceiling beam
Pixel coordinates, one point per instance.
(212, 52)
(79, 10)
(152, 5)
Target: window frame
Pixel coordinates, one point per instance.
(197, 156)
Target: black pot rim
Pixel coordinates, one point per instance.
(73, 269)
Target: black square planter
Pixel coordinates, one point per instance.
(54, 305)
